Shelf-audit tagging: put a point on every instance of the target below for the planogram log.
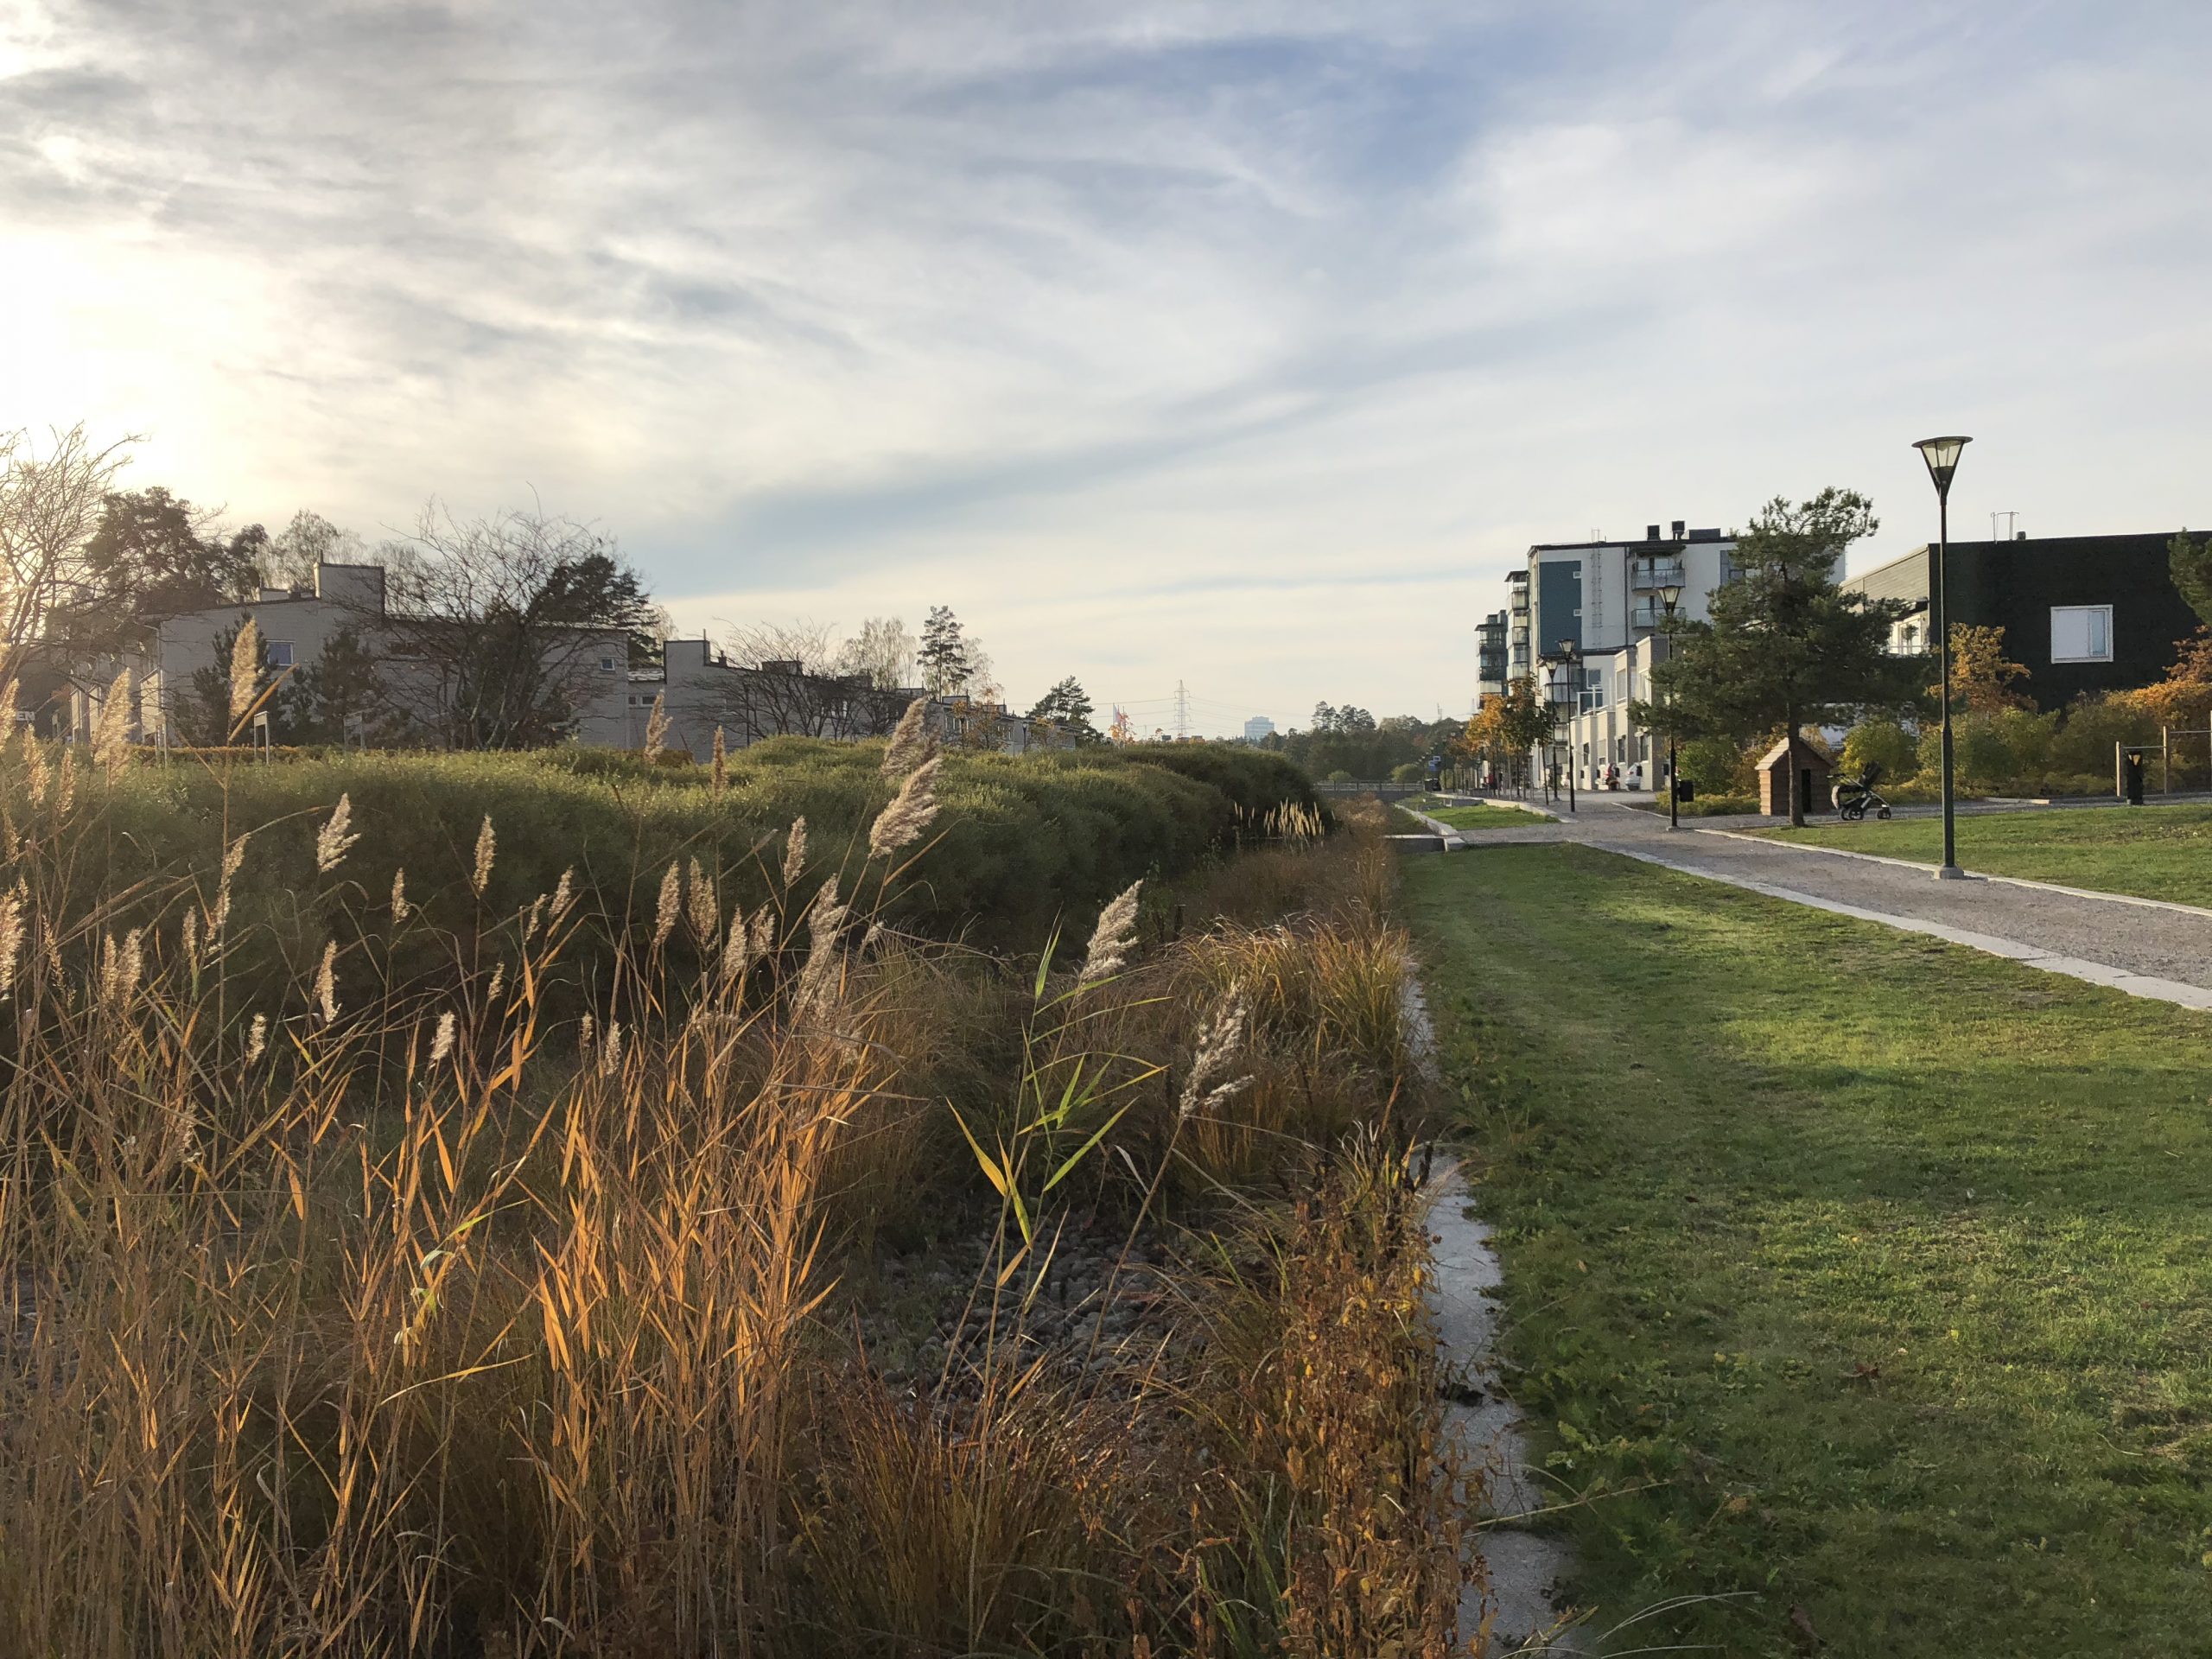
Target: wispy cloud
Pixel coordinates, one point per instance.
(1244, 343)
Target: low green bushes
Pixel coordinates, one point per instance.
(1020, 839)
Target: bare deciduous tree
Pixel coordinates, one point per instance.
(793, 680)
(883, 653)
(500, 629)
(289, 560)
(50, 507)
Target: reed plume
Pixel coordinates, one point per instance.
(335, 836)
(657, 727)
(1220, 1043)
(702, 907)
(486, 848)
(1109, 950)
(911, 742)
(671, 904)
(901, 822)
(325, 984)
(11, 937)
(245, 671)
(111, 734)
(795, 853)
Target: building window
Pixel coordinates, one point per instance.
(607, 665)
(2080, 634)
(280, 653)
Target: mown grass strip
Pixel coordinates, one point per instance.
(2161, 852)
(1852, 1270)
(1482, 816)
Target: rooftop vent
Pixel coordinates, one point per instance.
(1651, 532)
(1705, 536)
(1678, 530)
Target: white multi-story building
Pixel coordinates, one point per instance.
(1258, 728)
(1600, 603)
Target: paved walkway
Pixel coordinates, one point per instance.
(2147, 949)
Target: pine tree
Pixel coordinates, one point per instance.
(944, 658)
(2190, 560)
(1787, 647)
(1067, 707)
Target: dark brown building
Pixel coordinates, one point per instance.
(2080, 613)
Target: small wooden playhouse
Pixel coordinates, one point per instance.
(1803, 766)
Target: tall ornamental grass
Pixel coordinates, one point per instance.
(458, 1258)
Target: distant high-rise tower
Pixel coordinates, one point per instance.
(1258, 727)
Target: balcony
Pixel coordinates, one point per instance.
(1655, 573)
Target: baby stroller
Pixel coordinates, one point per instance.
(1853, 796)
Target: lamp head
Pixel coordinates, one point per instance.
(1942, 456)
(1671, 595)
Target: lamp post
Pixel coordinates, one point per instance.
(1942, 456)
(1670, 596)
(1566, 696)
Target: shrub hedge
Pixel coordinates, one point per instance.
(1020, 841)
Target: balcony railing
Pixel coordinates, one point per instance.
(1655, 573)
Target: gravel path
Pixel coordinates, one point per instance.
(2137, 947)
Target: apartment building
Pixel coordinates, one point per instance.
(1490, 656)
(1601, 601)
(1520, 664)
(699, 689)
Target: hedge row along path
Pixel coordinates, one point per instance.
(2136, 945)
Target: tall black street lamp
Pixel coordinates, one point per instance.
(1670, 596)
(1567, 699)
(1942, 456)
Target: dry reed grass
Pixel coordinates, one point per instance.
(401, 1319)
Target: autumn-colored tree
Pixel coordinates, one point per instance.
(2184, 697)
(1981, 677)
(1508, 725)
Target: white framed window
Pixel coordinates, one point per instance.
(280, 653)
(607, 665)
(2080, 634)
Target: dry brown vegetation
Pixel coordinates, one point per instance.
(438, 1319)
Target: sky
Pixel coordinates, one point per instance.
(1240, 344)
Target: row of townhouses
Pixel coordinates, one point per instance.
(2082, 613)
(699, 689)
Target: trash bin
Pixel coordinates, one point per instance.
(1685, 790)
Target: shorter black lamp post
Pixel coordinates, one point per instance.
(1671, 597)
(1566, 702)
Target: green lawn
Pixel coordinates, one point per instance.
(1883, 1267)
(2156, 852)
(1481, 816)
